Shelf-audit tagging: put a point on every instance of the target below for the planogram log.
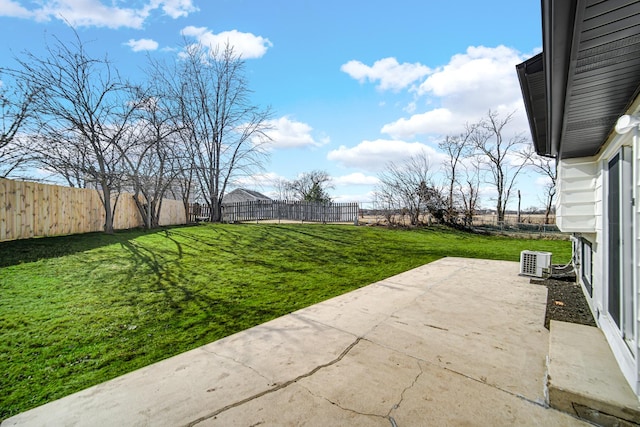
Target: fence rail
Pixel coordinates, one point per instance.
(31, 209)
(283, 210)
(199, 212)
(517, 227)
(528, 224)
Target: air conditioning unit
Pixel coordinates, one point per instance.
(534, 263)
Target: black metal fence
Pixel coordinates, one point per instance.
(199, 212)
(282, 210)
(517, 227)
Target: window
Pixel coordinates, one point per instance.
(586, 267)
(619, 214)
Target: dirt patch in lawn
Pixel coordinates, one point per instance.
(566, 302)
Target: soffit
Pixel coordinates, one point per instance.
(602, 77)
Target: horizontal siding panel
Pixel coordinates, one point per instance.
(576, 202)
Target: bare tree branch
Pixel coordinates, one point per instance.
(83, 109)
(16, 104)
(311, 186)
(498, 154)
(547, 167)
(456, 148)
(407, 187)
(223, 133)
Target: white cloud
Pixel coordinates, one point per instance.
(375, 155)
(365, 198)
(488, 195)
(356, 178)
(142, 44)
(483, 78)
(438, 121)
(247, 45)
(288, 133)
(88, 13)
(260, 180)
(14, 9)
(177, 8)
(411, 107)
(478, 69)
(391, 74)
(466, 88)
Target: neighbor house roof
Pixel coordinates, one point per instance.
(586, 77)
(243, 195)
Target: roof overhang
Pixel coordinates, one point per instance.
(586, 77)
(531, 77)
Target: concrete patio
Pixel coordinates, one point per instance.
(454, 342)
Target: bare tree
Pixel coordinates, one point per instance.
(547, 167)
(407, 187)
(283, 189)
(83, 109)
(166, 117)
(433, 201)
(15, 109)
(311, 186)
(70, 161)
(222, 132)
(469, 191)
(457, 148)
(153, 157)
(183, 184)
(499, 155)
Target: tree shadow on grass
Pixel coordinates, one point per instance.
(31, 250)
(170, 278)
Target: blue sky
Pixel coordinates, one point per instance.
(353, 84)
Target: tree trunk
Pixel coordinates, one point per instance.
(450, 207)
(500, 211)
(215, 210)
(547, 212)
(108, 212)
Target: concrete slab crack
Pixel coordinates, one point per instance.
(388, 416)
(483, 380)
(353, 411)
(276, 388)
(409, 387)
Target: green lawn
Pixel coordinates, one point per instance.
(79, 310)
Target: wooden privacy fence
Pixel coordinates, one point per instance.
(31, 209)
(289, 211)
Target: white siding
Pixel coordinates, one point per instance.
(582, 210)
(627, 360)
(599, 261)
(636, 248)
(576, 203)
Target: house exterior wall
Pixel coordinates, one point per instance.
(582, 210)
(636, 249)
(576, 202)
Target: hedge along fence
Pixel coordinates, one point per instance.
(31, 209)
